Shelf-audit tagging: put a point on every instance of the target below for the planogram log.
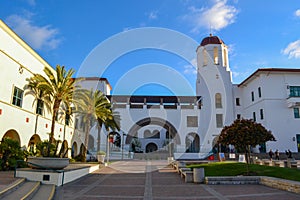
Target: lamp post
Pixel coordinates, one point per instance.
(123, 134)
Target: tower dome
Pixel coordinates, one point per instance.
(211, 40)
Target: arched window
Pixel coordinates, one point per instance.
(218, 100)
(204, 57)
(225, 57)
(216, 57)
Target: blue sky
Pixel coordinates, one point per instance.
(258, 33)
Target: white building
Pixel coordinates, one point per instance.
(21, 117)
(180, 124)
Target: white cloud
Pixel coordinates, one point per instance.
(39, 37)
(152, 15)
(297, 13)
(216, 17)
(31, 2)
(191, 68)
(292, 50)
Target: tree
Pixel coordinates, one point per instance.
(54, 90)
(93, 106)
(243, 134)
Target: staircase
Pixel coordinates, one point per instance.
(25, 190)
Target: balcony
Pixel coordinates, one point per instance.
(293, 101)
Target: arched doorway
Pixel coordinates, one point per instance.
(32, 142)
(74, 150)
(192, 143)
(12, 134)
(151, 147)
(173, 134)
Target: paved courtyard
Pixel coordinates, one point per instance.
(154, 180)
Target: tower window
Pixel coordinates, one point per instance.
(296, 113)
(218, 100)
(238, 116)
(254, 116)
(261, 113)
(259, 92)
(216, 57)
(252, 96)
(219, 120)
(237, 101)
(225, 57)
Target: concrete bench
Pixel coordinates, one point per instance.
(278, 163)
(259, 162)
(268, 162)
(188, 176)
(295, 164)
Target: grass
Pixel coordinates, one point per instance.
(235, 169)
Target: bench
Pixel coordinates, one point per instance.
(268, 162)
(188, 176)
(279, 164)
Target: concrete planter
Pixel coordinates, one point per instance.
(101, 158)
(47, 162)
(198, 175)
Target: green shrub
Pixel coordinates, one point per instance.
(10, 152)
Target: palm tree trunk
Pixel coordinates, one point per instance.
(86, 141)
(51, 135)
(98, 136)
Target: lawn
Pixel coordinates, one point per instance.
(235, 169)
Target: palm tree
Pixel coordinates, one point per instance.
(92, 106)
(57, 89)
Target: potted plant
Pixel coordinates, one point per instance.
(101, 156)
(42, 159)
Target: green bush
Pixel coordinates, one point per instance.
(10, 152)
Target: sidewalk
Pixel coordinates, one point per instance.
(153, 180)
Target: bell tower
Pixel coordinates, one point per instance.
(214, 85)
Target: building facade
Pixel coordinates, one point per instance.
(185, 126)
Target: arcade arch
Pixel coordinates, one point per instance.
(192, 143)
(12, 134)
(172, 132)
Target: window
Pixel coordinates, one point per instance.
(219, 120)
(294, 91)
(204, 57)
(67, 119)
(252, 96)
(18, 97)
(76, 123)
(254, 116)
(261, 111)
(237, 101)
(238, 116)
(39, 107)
(218, 100)
(296, 113)
(259, 92)
(216, 58)
(192, 121)
(225, 57)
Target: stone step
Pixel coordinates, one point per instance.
(22, 191)
(9, 188)
(44, 192)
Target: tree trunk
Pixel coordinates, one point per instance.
(51, 135)
(98, 136)
(86, 141)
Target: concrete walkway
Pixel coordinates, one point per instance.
(153, 180)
